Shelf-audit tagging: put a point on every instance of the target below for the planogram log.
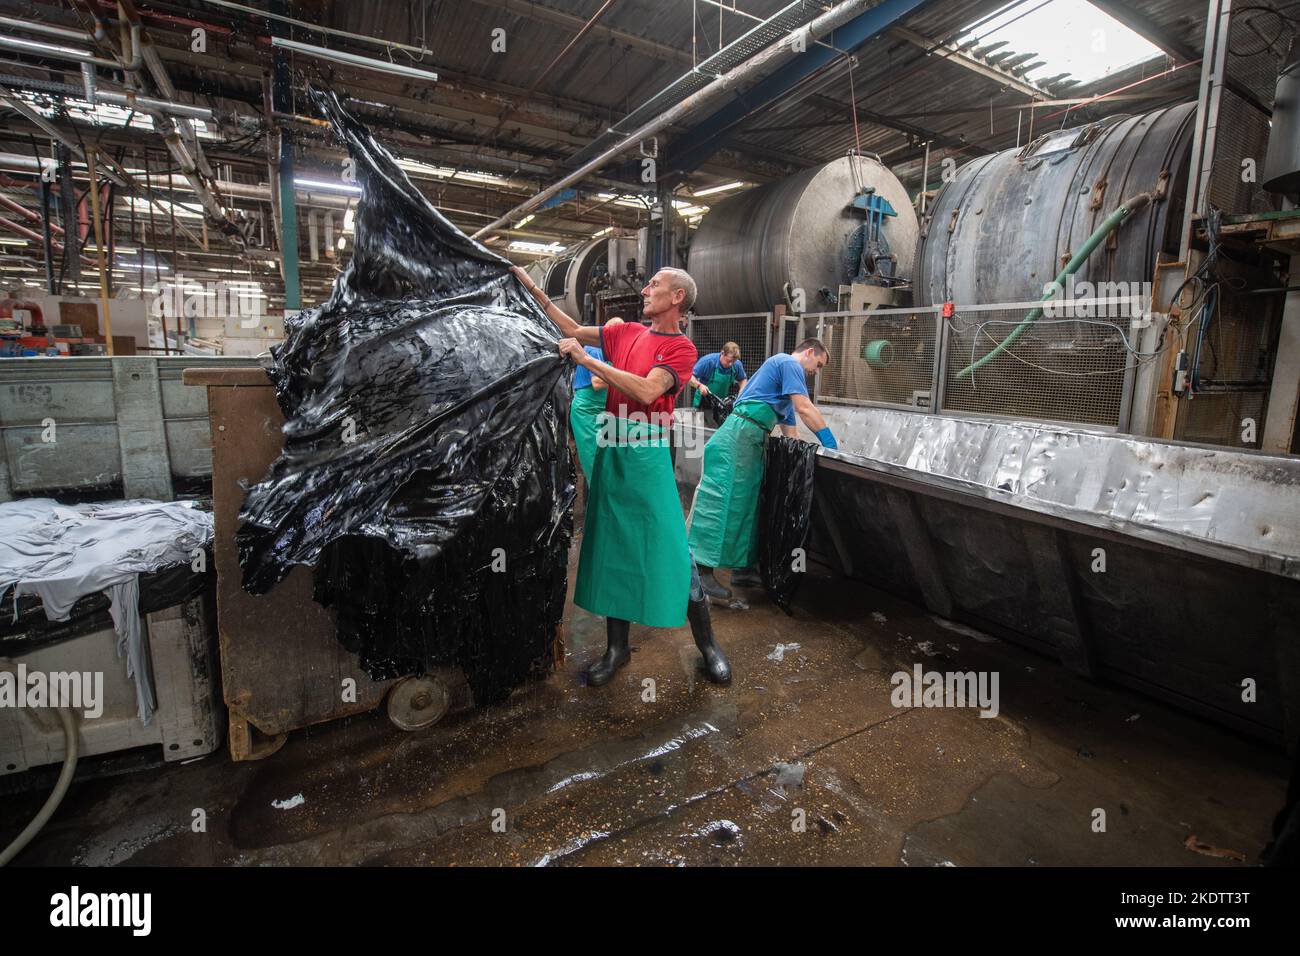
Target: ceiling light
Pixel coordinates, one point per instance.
(716, 189)
(323, 184)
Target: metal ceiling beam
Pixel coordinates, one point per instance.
(709, 135)
(756, 65)
(949, 52)
(1145, 27)
(535, 11)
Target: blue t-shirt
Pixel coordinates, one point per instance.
(775, 381)
(709, 364)
(582, 377)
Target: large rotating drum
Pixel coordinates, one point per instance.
(1005, 225)
(565, 278)
(798, 231)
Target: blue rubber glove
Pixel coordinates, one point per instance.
(827, 439)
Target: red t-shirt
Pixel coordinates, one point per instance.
(633, 347)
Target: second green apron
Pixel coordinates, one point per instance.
(584, 411)
(719, 384)
(725, 512)
(634, 563)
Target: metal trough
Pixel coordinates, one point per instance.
(999, 524)
(1169, 567)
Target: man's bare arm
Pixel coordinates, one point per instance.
(569, 328)
(644, 389)
(808, 413)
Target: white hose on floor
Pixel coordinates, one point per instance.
(56, 797)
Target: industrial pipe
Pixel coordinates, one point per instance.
(37, 48)
(36, 237)
(815, 29)
(129, 100)
(191, 161)
(88, 83)
(35, 26)
(8, 98)
(1108, 225)
(26, 213)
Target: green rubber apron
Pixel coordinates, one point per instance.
(634, 563)
(585, 408)
(724, 516)
(719, 384)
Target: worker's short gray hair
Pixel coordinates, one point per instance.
(681, 279)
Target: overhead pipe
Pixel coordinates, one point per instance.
(8, 98)
(88, 82)
(192, 163)
(317, 28)
(19, 161)
(49, 29)
(26, 213)
(158, 73)
(128, 100)
(75, 54)
(815, 29)
(36, 237)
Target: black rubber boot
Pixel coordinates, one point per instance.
(616, 654)
(715, 662)
(712, 586)
(746, 578)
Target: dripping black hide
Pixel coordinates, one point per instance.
(784, 515)
(425, 474)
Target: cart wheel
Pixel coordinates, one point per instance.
(418, 702)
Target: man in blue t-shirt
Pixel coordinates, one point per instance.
(722, 524)
(717, 374)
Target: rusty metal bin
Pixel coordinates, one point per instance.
(281, 666)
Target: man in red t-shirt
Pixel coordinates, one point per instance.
(635, 564)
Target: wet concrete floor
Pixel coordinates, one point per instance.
(802, 760)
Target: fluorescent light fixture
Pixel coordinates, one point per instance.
(12, 241)
(526, 220)
(349, 221)
(450, 172)
(716, 189)
(323, 184)
(537, 248)
(341, 243)
(602, 232)
(352, 59)
(183, 211)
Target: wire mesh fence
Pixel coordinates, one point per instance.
(884, 356)
(1073, 361)
(751, 331)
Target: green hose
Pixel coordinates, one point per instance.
(1108, 225)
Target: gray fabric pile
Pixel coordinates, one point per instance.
(61, 553)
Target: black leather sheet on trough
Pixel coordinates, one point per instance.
(784, 514)
(425, 472)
